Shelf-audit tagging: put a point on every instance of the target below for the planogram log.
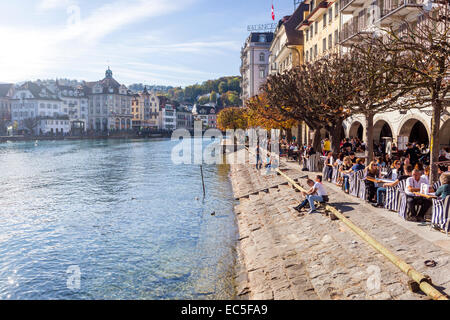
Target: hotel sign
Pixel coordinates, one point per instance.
(267, 27)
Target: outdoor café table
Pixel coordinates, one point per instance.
(427, 196)
(379, 181)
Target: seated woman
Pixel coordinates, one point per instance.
(444, 190)
(394, 171)
(380, 162)
(381, 192)
(345, 170)
(372, 171)
(359, 164)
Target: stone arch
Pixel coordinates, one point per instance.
(382, 129)
(444, 133)
(356, 130)
(415, 128)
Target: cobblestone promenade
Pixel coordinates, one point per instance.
(286, 255)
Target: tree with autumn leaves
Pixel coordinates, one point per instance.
(313, 93)
(232, 118)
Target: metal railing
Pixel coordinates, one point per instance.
(392, 5)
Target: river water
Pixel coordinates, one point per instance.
(121, 214)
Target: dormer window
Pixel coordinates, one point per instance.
(262, 38)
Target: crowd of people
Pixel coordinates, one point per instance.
(387, 171)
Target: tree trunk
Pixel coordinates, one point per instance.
(316, 139)
(288, 135)
(335, 135)
(369, 137)
(434, 142)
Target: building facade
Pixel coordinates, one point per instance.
(6, 92)
(286, 50)
(38, 110)
(145, 110)
(184, 118)
(168, 117)
(205, 113)
(362, 17)
(109, 105)
(320, 29)
(75, 103)
(255, 63)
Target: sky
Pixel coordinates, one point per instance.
(164, 42)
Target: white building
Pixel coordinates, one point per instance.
(75, 103)
(168, 117)
(255, 63)
(37, 109)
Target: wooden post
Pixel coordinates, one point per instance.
(203, 181)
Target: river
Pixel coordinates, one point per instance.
(133, 224)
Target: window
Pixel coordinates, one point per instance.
(336, 37)
(336, 8)
(315, 50)
(306, 56)
(262, 57)
(330, 41)
(307, 34)
(311, 29)
(324, 43)
(262, 38)
(316, 26)
(310, 54)
(330, 14)
(262, 74)
(324, 19)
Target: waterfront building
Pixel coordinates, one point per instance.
(75, 104)
(6, 92)
(207, 114)
(320, 28)
(168, 117)
(109, 105)
(36, 109)
(184, 118)
(286, 50)
(255, 63)
(145, 110)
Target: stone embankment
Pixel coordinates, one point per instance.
(286, 255)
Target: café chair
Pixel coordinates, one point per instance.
(440, 218)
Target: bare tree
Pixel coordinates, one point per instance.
(31, 124)
(375, 84)
(423, 47)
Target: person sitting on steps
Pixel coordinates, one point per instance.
(316, 192)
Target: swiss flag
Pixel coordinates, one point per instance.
(273, 13)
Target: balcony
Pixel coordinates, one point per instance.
(352, 30)
(399, 10)
(348, 6)
(321, 8)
